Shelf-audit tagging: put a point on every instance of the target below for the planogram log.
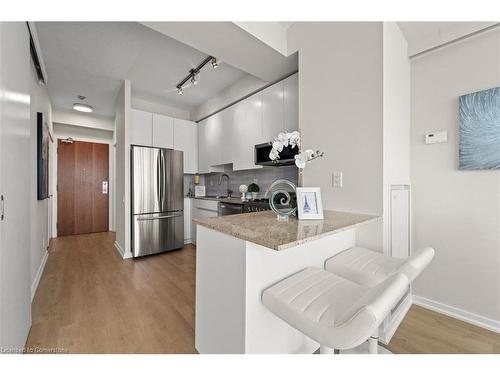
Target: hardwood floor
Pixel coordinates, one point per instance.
(91, 301)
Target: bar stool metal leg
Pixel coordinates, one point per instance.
(373, 345)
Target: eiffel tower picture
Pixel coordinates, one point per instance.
(306, 207)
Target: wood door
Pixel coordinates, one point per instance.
(82, 203)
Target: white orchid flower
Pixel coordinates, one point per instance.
(274, 154)
(294, 138)
(278, 145)
(283, 139)
(300, 160)
(308, 154)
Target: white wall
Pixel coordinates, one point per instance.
(40, 210)
(456, 212)
(162, 109)
(87, 120)
(396, 86)
(340, 109)
(15, 184)
(239, 89)
(122, 171)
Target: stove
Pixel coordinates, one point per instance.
(256, 205)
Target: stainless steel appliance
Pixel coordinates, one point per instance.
(243, 207)
(157, 200)
(256, 205)
(287, 156)
(230, 208)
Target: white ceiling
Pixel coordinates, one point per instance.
(92, 58)
(232, 44)
(422, 36)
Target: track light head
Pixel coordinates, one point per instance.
(179, 90)
(194, 81)
(215, 64)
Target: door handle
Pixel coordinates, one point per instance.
(105, 187)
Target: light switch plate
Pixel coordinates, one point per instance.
(337, 179)
(436, 137)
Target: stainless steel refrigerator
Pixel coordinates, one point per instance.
(157, 200)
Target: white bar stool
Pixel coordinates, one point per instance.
(369, 268)
(335, 312)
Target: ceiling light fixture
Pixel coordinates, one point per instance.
(194, 81)
(194, 72)
(215, 64)
(80, 107)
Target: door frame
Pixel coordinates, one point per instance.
(111, 178)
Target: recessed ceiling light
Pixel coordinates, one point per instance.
(80, 107)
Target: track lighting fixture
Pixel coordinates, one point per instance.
(193, 73)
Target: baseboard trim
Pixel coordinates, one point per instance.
(455, 312)
(39, 273)
(122, 252)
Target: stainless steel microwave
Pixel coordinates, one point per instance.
(287, 156)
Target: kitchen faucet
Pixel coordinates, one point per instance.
(228, 183)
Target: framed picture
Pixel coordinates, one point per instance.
(479, 115)
(309, 205)
(43, 140)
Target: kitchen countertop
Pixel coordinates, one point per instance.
(264, 229)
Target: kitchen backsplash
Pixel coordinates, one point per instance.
(263, 177)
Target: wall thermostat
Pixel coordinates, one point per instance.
(436, 137)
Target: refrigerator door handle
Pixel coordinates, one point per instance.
(158, 217)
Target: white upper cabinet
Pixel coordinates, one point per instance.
(227, 135)
(141, 131)
(230, 136)
(163, 131)
(291, 102)
(210, 143)
(247, 132)
(272, 112)
(186, 140)
(203, 162)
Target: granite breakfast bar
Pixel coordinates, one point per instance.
(239, 256)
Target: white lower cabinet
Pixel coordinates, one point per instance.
(202, 209)
(187, 220)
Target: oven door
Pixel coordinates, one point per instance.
(230, 209)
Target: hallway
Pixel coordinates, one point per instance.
(92, 301)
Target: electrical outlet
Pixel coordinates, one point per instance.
(337, 179)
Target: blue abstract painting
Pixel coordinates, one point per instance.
(480, 130)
